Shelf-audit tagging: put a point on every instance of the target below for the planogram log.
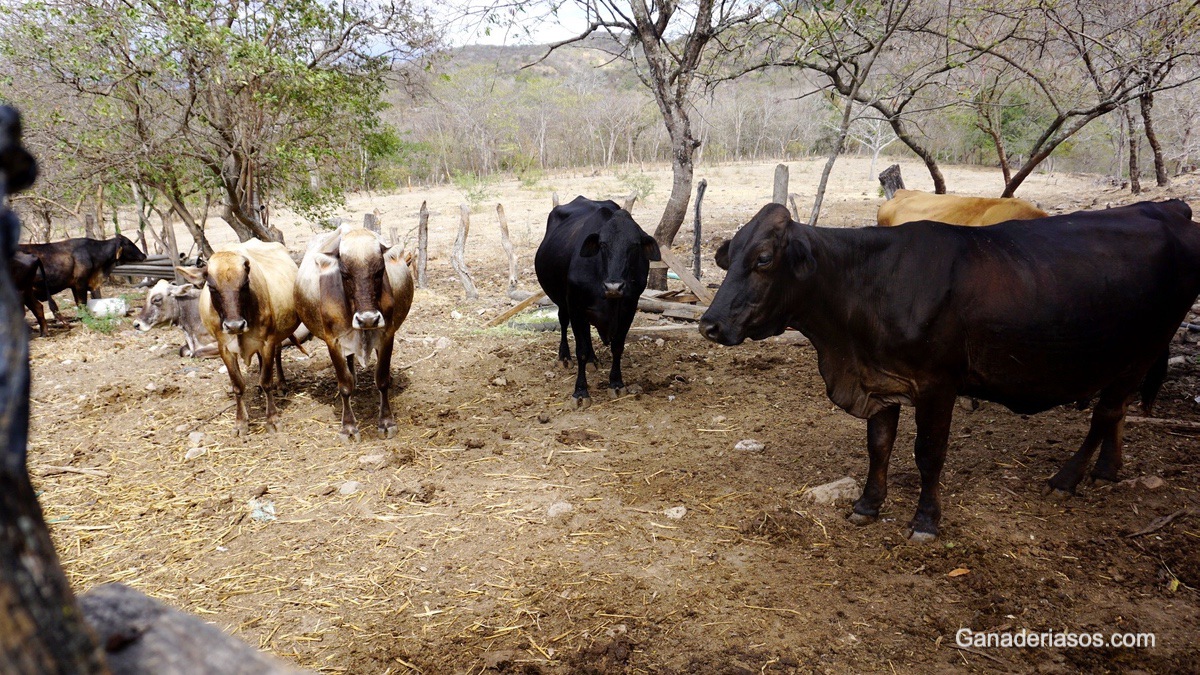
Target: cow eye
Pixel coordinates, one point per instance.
(157, 301)
(764, 259)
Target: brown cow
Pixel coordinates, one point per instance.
(80, 264)
(908, 206)
(353, 292)
(247, 306)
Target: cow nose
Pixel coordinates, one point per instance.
(140, 325)
(367, 320)
(234, 327)
(614, 289)
(710, 330)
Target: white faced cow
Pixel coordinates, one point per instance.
(179, 304)
(353, 292)
(248, 307)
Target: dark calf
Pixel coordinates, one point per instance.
(593, 263)
(27, 275)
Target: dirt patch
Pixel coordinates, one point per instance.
(483, 539)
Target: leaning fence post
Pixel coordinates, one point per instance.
(422, 246)
(506, 243)
(457, 256)
(700, 188)
(371, 222)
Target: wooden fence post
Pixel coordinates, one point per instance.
(700, 188)
(422, 247)
(779, 194)
(891, 180)
(89, 225)
(795, 209)
(173, 250)
(506, 244)
(371, 222)
(458, 255)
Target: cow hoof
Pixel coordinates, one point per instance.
(565, 363)
(388, 431)
(919, 537)
(631, 390)
(861, 519)
(272, 427)
(592, 366)
(1056, 494)
(581, 403)
(349, 435)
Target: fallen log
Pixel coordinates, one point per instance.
(142, 636)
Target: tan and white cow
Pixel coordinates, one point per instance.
(908, 206)
(247, 304)
(353, 292)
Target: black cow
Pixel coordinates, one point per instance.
(593, 263)
(81, 264)
(1030, 314)
(28, 274)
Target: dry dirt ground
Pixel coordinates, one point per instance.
(498, 533)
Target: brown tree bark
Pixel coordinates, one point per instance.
(1135, 180)
(1160, 166)
(41, 628)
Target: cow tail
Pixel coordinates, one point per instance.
(1153, 381)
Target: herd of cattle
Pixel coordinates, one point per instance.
(1031, 311)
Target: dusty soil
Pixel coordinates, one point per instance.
(499, 533)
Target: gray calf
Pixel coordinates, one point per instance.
(168, 303)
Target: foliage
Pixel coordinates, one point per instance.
(474, 187)
(100, 324)
(637, 183)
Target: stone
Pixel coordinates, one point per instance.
(675, 512)
(500, 382)
(842, 488)
(749, 445)
(196, 437)
(350, 487)
(193, 453)
(559, 509)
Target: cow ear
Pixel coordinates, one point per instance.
(182, 290)
(326, 263)
(606, 212)
(333, 246)
(591, 246)
(723, 255)
(650, 247)
(194, 275)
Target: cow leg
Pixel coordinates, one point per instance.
(345, 378)
(279, 367)
(240, 427)
(617, 342)
(933, 435)
(881, 438)
(39, 313)
(80, 295)
(583, 346)
(266, 376)
(564, 350)
(1105, 431)
(383, 381)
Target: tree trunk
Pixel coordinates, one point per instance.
(891, 180)
(1160, 166)
(422, 246)
(41, 628)
(1135, 180)
(682, 148)
(244, 210)
(935, 172)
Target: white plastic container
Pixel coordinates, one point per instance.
(106, 307)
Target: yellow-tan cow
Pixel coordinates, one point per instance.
(907, 206)
(247, 304)
(353, 292)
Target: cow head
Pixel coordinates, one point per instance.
(625, 253)
(767, 263)
(228, 278)
(127, 251)
(354, 266)
(162, 304)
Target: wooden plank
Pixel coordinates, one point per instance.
(701, 291)
(520, 307)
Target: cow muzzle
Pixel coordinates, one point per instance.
(713, 331)
(141, 325)
(234, 326)
(367, 320)
(614, 289)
